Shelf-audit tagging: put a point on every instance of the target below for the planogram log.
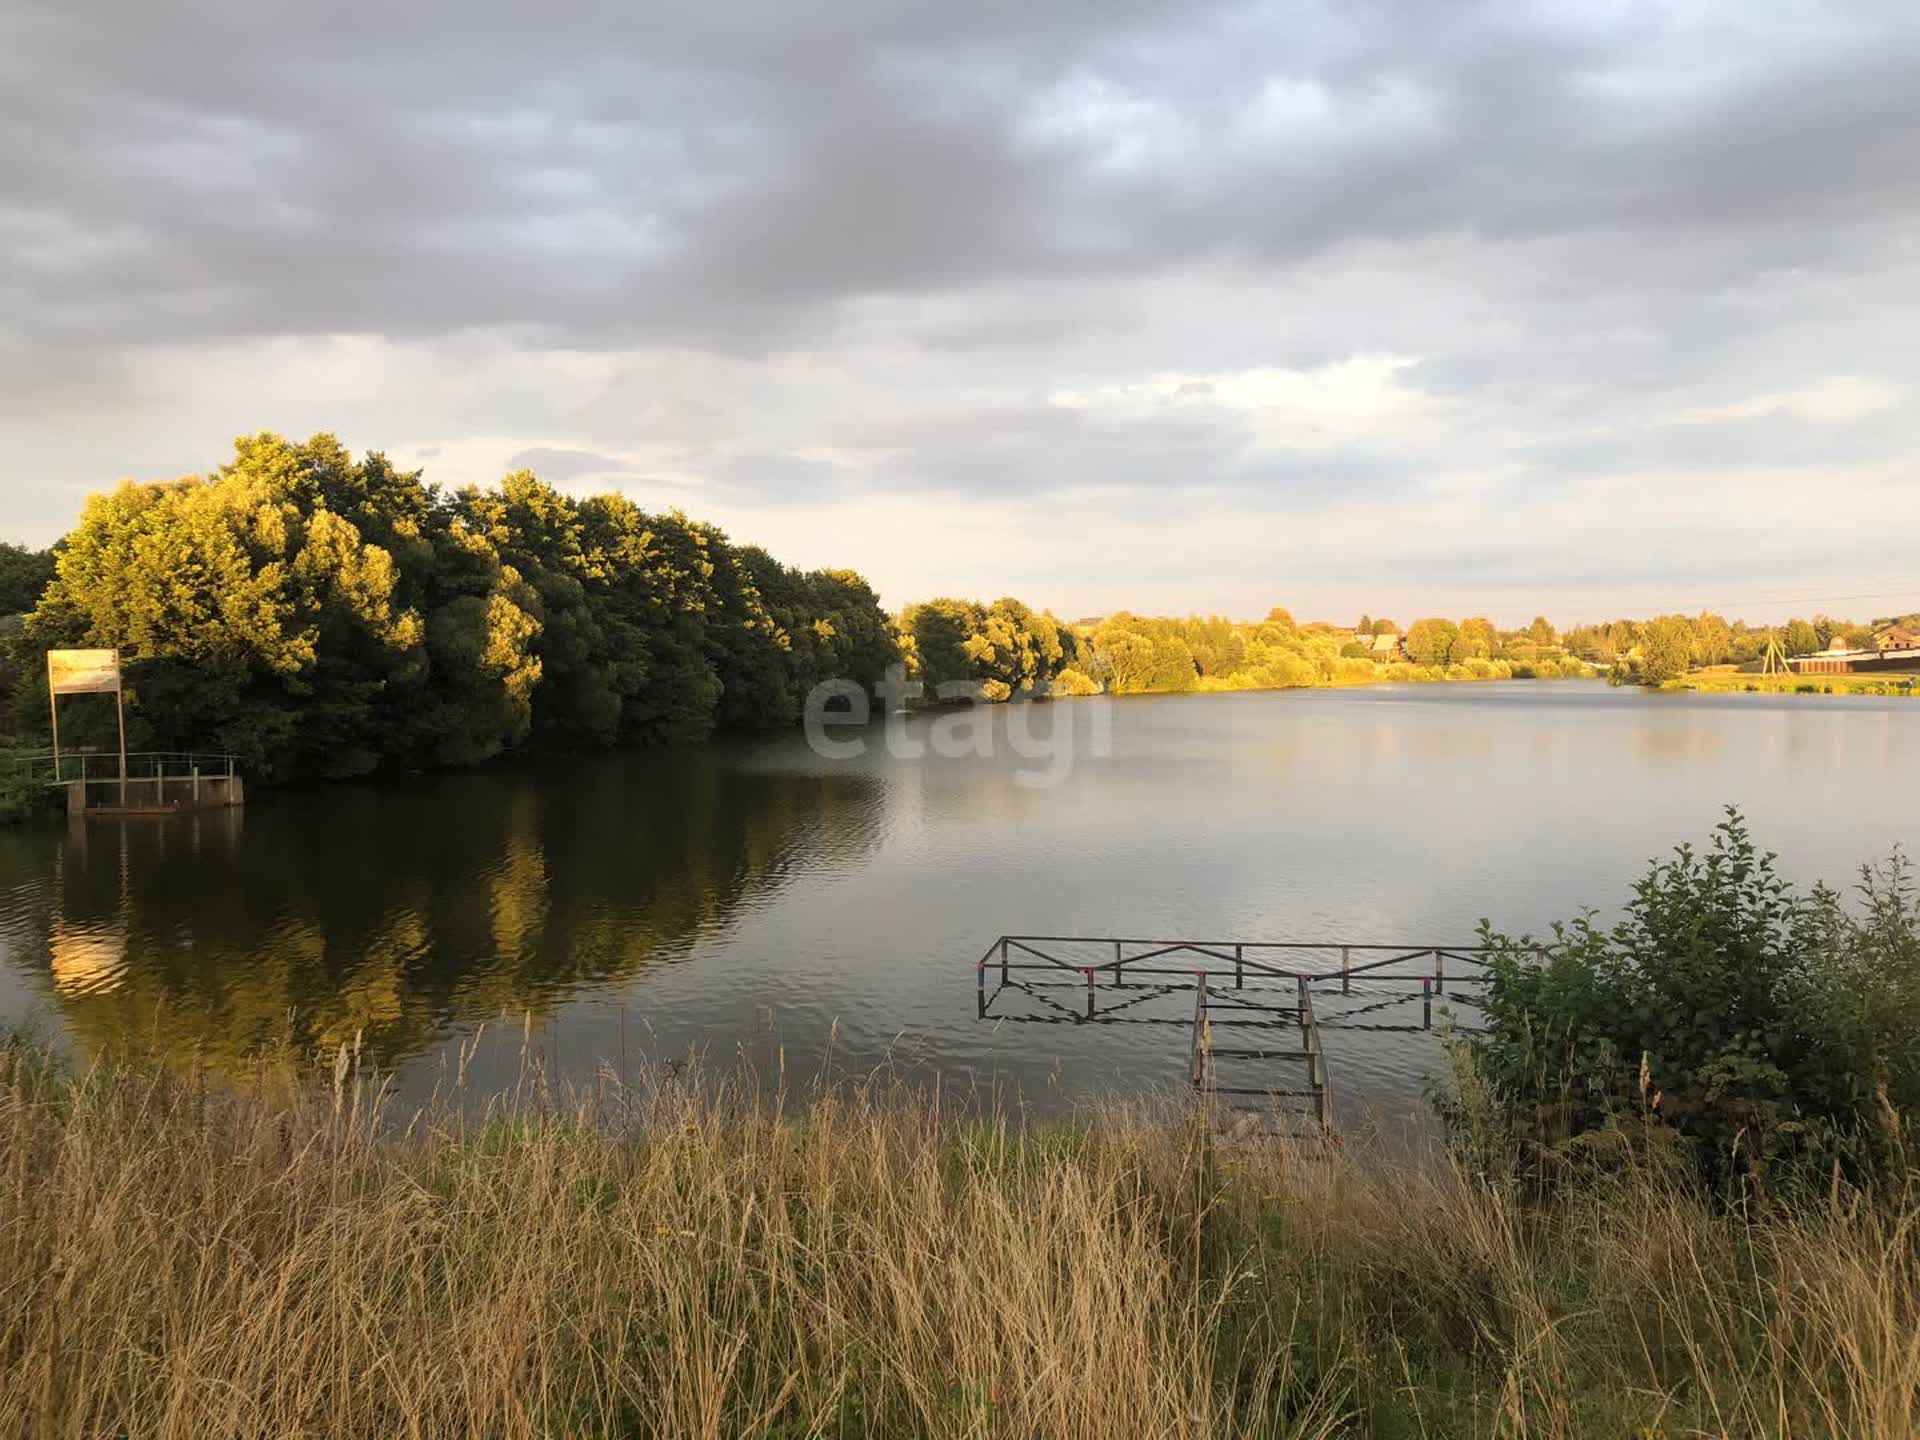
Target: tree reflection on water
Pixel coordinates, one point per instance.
(396, 916)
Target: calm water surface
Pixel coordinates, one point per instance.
(760, 900)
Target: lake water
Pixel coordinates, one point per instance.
(761, 900)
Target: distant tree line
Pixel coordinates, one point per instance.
(1008, 646)
(1651, 652)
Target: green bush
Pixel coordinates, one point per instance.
(1074, 681)
(1761, 1031)
(22, 799)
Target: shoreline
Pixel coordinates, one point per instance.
(1711, 683)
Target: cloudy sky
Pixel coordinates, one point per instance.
(1420, 306)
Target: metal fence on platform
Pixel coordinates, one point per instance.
(1260, 987)
(150, 780)
(102, 767)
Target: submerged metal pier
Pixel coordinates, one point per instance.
(1260, 1007)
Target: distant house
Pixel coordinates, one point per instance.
(1895, 649)
(1388, 647)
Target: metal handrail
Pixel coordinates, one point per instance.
(1129, 972)
(102, 767)
(1125, 958)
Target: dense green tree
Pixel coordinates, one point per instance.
(1140, 654)
(1475, 641)
(1217, 645)
(1595, 644)
(1665, 651)
(832, 622)
(1430, 642)
(1712, 640)
(24, 577)
(1800, 638)
(648, 576)
(1005, 647)
(748, 647)
(1018, 648)
(935, 636)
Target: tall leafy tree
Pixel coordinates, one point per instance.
(1430, 641)
(1475, 640)
(1666, 650)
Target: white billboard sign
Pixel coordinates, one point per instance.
(83, 672)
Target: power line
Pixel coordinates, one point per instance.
(1810, 599)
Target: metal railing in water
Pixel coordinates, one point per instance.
(102, 767)
(1238, 985)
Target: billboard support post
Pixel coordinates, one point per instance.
(120, 714)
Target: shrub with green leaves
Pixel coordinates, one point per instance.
(1760, 1030)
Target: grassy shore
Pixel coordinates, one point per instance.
(189, 1263)
(1721, 682)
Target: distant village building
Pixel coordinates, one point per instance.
(1388, 647)
(1896, 648)
(1836, 659)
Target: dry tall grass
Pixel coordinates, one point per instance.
(183, 1263)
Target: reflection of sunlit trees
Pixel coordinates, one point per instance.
(384, 919)
(517, 885)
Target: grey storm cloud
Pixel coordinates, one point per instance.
(1578, 219)
(728, 174)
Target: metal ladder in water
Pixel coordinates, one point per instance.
(1301, 1105)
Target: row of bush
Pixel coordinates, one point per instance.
(1765, 1035)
